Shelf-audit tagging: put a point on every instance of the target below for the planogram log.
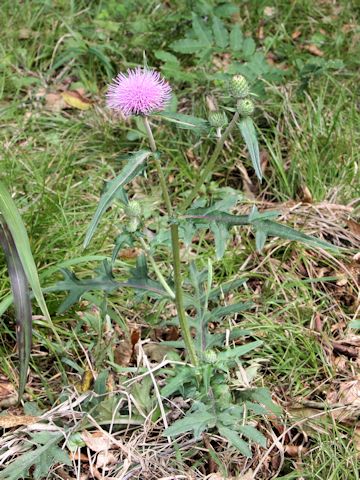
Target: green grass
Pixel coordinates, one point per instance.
(55, 165)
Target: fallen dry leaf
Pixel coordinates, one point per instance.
(25, 34)
(269, 11)
(54, 102)
(354, 227)
(125, 349)
(74, 99)
(356, 438)
(104, 459)
(305, 194)
(346, 393)
(156, 351)
(295, 450)
(296, 34)
(8, 394)
(97, 441)
(128, 253)
(123, 352)
(9, 421)
(314, 50)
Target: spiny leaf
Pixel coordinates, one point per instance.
(187, 45)
(275, 229)
(201, 216)
(103, 281)
(22, 303)
(130, 171)
(201, 30)
(235, 440)
(197, 422)
(247, 129)
(175, 383)
(262, 395)
(236, 38)
(253, 434)
(43, 457)
(220, 32)
(236, 352)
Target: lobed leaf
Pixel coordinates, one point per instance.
(236, 352)
(196, 422)
(220, 33)
(235, 440)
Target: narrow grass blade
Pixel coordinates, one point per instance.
(247, 129)
(22, 302)
(131, 169)
(21, 240)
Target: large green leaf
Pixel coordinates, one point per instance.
(201, 30)
(21, 240)
(22, 302)
(236, 352)
(274, 229)
(196, 422)
(235, 440)
(46, 454)
(220, 32)
(253, 434)
(104, 281)
(247, 129)
(261, 223)
(132, 168)
(236, 38)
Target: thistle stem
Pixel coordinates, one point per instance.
(156, 269)
(210, 164)
(175, 246)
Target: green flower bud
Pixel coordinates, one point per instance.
(209, 356)
(133, 209)
(133, 225)
(245, 107)
(222, 393)
(239, 87)
(218, 119)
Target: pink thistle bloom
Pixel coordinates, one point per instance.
(138, 92)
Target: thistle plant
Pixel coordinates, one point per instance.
(221, 400)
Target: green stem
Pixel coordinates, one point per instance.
(210, 164)
(185, 329)
(156, 269)
(184, 324)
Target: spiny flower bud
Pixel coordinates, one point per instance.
(133, 209)
(239, 87)
(218, 119)
(133, 224)
(209, 356)
(245, 107)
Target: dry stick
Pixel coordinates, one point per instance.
(184, 325)
(210, 164)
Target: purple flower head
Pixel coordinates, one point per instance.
(138, 92)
